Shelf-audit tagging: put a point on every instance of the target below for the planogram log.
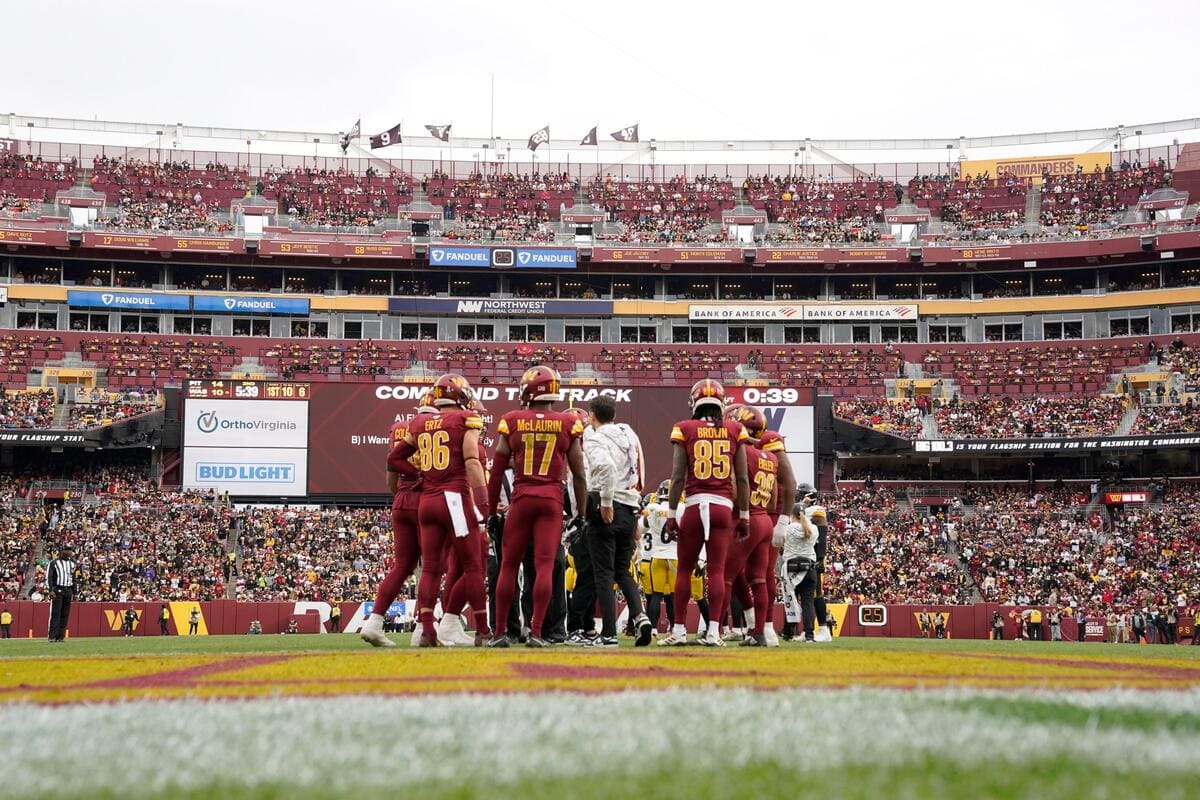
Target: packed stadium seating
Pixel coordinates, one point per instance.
(299, 554)
(25, 177)
(898, 417)
(1014, 417)
(336, 198)
(18, 540)
(1042, 550)
(1081, 200)
(105, 408)
(972, 207)
(1169, 418)
(26, 408)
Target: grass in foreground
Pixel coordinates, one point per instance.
(664, 744)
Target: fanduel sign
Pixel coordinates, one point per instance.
(460, 256)
(487, 307)
(503, 257)
(250, 305)
(545, 259)
(128, 301)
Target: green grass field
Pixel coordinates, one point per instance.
(325, 717)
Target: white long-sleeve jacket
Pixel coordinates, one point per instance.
(615, 464)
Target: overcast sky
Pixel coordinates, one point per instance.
(690, 70)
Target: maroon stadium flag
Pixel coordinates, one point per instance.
(355, 130)
(591, 137)
(539, 138)
(439, 132)
(629, 134)
(389, 137)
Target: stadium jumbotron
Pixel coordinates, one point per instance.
(848, 463)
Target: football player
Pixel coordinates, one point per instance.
(772, 442)
(798, 569)
(453, 498)
(657, 568)
(539, 442)
(709, 463)
(816, 515)
(752, 553)
(454, 595)
(406, 545)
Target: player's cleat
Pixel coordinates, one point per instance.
(673, 640)
(536, 641)
(771, 636)
(732, 635)
(450, 632)
(581, 638)
(480, 640)
(499, 641)
(415, 641)
(605, 642)
(712, 639)
(644, 630)
(428, 640)
(754, 640)
(823, 635)
(372, 632)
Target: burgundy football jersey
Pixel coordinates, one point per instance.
(539, 441)
(439, 453)
(396, 435)
(710, 448)
(764, 471)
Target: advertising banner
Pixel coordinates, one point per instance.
(859, 313)
(1032, 167)
(793, 312)
(543, 258)
(501, 308)
(250, 304)
(245, 423)
(118, 300)
(440, 256)
(746, 312)
(977, 446)
(247, 470)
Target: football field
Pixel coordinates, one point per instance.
(326, 716)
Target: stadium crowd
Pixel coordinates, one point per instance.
(898, 417)
(27, 408)
(1039, 416)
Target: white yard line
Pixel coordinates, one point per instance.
(357, 743)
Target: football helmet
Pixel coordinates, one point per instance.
(579, 412)
(708, 392)
(750, 417)
(452, 390)
(426, 406)
(664, 491)
(540, 384)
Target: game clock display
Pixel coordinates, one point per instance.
(245, 390)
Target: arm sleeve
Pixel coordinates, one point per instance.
(496, 479)
(398, 459)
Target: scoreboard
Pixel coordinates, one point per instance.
(248, 438)
(245, 390)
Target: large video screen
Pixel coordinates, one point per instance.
(348, 426)
(247, 438)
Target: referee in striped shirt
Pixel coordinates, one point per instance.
(61, 580)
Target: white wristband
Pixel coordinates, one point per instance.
(744, 514)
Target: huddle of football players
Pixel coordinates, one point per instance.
(712, 533)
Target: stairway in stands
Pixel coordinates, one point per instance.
(1033, 210)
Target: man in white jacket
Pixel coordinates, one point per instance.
(615, 481)
(798, 567)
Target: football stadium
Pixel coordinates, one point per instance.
(470, 421)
